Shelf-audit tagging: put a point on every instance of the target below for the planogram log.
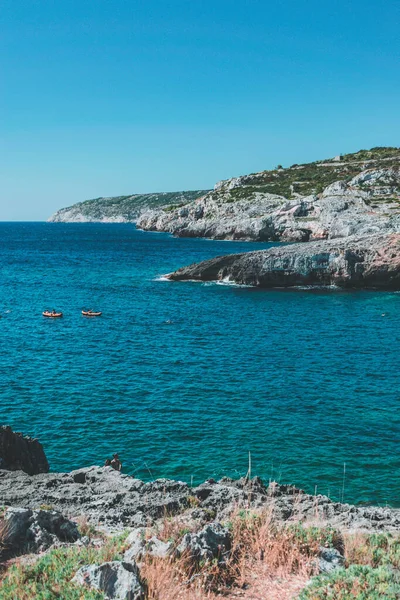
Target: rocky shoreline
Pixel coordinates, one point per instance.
(99, 533)
(371, 262)
(114, 501)
(321, 200)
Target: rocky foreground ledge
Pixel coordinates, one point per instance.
(115, 501)
(95, 533)
(370, 262)
(227, 538)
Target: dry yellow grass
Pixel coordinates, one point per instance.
(266, 561)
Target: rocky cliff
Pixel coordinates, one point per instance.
(370, 262)
(121, 209)
(353, 194)
(115, 501)
(21, 453)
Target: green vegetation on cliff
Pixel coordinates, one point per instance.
(305, 179)
(123, 208)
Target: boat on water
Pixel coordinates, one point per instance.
(91, 313)
(52, 314)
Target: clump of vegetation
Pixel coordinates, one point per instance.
(267, 560)
(312, 178)
(358, 582)
(50, 576)
(46, 507)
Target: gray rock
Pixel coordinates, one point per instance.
(139, 546)
(117, 580)
(213, 541)
(329, 560)
(240, 208)
(21, 453)
(114, 501)
(36, 530)
(371, 262)
(16, 525)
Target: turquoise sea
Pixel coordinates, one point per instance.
(184, 379)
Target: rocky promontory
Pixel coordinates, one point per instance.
(370, 262)
(356, 194)
(121, 209)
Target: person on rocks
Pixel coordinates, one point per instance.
(108, 462)
(116, 463)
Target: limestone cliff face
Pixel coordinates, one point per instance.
(21, 453)
(320, 200)
(370, 262)
(121, 209)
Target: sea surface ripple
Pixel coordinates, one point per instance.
(184, 379)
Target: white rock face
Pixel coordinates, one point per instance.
(117, 580)
(74, 216)
(139, 546)
(342, 209)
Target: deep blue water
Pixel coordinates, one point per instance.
(304, 380)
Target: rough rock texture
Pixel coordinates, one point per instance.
(358, 194)
(121, 209)
(213, 541)
(329, 560)
(27, 530)
(114, 501)
(118, 580)
(244, 208)
(21, 453)
(139, 546)
(369, 262)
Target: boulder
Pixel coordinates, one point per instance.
(117, 580)
(28, 530)
(329, 559)
(213, 541)
(139, 546)
(21, 453)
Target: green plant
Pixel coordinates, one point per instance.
(193, 501)
(358, 582)
(46, 507)
(50, 576)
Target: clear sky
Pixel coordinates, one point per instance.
(110, 97)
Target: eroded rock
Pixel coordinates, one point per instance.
(213, 541)
(117, 580)
(140, 546)
(371, 262)
(21, 453)
(27, 530)
(329, 560)
(114, 501)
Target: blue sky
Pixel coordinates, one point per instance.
(116, 97)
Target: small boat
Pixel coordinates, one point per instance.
(52, 314)
(91, 313)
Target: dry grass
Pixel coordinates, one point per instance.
(171, 529)
(266, 561)
(88, 529)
